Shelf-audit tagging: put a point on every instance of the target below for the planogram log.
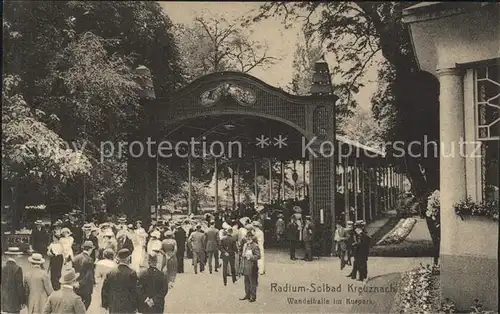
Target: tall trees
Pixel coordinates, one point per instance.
(214, 44)
(362, 128)
(76, 62)
(355, 32)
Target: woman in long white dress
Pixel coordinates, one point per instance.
(139, 254)
(66, 242)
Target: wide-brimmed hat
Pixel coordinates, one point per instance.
(138, 222)
(281, 215)
(130, 226)
(38, 222)
(156, 234)
(68, 276)
(66, 230)
(198, 226)
(249, 227)
(169, 233)
(226, 226)
(58, 222)
(297, 209)
(308, 217)
(36, 258)
(244, 220)
(13, 250)
(88, 245)
(256, 224)
(359, 223)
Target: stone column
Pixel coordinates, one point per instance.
(452, 162)
(452, 175)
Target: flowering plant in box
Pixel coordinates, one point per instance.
(468, 207)
(433, 205)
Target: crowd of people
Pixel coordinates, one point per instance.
(132, 269)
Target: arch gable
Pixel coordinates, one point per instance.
(239, 93)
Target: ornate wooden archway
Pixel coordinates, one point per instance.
(234, 93)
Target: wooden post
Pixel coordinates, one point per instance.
(363, 189)
(304, 188)
(346, 190)
(282, 196)
(370, 189)
(238, 199)
(190, 182)
(255, 182)
(355, 187)
(377, 200)
(216, 170)
(270, 181)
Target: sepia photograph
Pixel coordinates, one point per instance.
(250, 157)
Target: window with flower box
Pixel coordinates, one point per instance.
(482, 116)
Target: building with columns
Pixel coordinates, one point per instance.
(459, 43)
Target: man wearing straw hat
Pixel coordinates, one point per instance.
(12, 283)
(38, 285)
(212, 246)
(65, 300)
(259, 234)
(198, 243)
(119, 290)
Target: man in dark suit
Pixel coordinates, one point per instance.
(119, 290)
(12, 286)
(293, 236)
(152, 288)
(84, 265)
(39, 238)
(308, 238)
(219, 220)
(197, 240)
(65, 300)
(180, 238)
(228, 249)
(212, 246)
(251, 255)
(361, 252)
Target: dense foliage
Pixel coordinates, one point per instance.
(73, 62)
